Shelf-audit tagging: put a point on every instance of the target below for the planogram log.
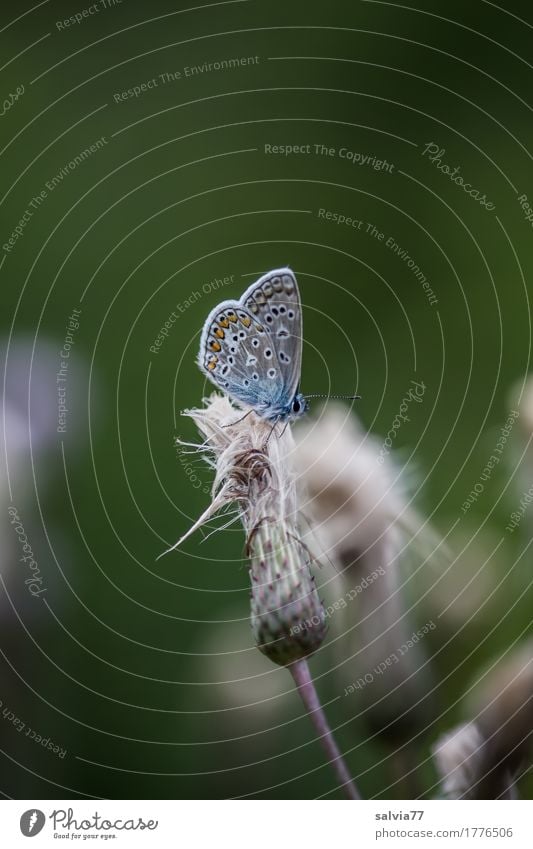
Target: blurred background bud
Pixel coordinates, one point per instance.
(457, 755)
(370, 532)
(484, 758)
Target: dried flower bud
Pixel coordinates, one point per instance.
(288, 617)
(254, 470)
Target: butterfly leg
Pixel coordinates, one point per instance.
(238, 420)
(271, 432)
(287, 423)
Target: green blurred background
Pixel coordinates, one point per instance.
(122, 661)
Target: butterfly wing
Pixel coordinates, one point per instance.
(252, 348)
(232, 355)
(274, 301)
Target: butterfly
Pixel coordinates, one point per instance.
(252, 348)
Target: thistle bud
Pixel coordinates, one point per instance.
(288, 619)
(254, 470)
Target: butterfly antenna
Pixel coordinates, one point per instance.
(344, 397)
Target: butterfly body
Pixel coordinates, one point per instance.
(252, 348)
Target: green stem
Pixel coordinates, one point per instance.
(306, 688)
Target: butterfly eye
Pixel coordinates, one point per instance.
(296, 406)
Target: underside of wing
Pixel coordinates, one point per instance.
(274, 301)
(236, 355)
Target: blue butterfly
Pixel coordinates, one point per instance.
(252, 348)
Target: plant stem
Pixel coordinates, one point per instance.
(306, 688)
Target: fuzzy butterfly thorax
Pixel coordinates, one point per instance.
(252, 348)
